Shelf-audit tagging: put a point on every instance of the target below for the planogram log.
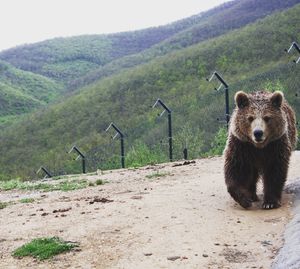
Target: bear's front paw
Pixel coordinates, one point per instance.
(271, 205)
(244, 201)
(239, 197)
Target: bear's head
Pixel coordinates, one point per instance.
(259, 117)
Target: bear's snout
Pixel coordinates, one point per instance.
(258, 134)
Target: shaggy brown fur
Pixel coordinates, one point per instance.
(262, 135)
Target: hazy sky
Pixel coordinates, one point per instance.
(29, 21)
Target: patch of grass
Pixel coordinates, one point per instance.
(3, 205)
(27, 200)
(71, 185)
(43, 248)
(99, 182)
(10, 185)
(157, 174)
(67, 185)
(66, 177)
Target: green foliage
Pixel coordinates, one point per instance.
(190, 138)
(66, 185)
(298, 142)
(99, 182)
(157, 174)
(141, 155)
(3, 205)
(10, 185)
(273, 86)
(219, 142)
(43, 248)
(27, 200)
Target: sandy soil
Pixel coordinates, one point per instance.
(184, 219)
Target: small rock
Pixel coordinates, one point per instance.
(136, 197)
(148, 254)
(61, 210)
(173, 258)
(266, 243)
(100, 200)
(204, 255)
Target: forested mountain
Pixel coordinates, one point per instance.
(22, 91)
(249, 58)
(211, 24)
(66, 64)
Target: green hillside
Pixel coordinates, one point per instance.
(249, 58)
(65, 59)
(21, 91)
(78, 61)
(211, 24)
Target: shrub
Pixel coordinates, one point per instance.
(219, 142)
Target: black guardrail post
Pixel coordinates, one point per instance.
(185, 153)
(80, 154)
(47, 173)
(296, 47)
(122, 141)
(170, 136)
(223, 83)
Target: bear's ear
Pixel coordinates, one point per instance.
(276, 98)
(241, 99)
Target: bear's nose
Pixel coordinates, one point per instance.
(258, 135)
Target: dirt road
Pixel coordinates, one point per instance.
(183, 218)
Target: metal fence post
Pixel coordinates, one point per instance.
(47, 173)
(170, 137)
(122, 142)
(296, 47)
(80, 154)
(223, 83)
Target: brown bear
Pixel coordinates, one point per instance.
(262, 135)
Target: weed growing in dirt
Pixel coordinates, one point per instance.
(71, 185)
(99, 182)
(43, 248)
(3, 205)
(157, 174)
(27, 200)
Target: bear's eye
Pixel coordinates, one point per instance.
(250, 119)
(267, 119)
